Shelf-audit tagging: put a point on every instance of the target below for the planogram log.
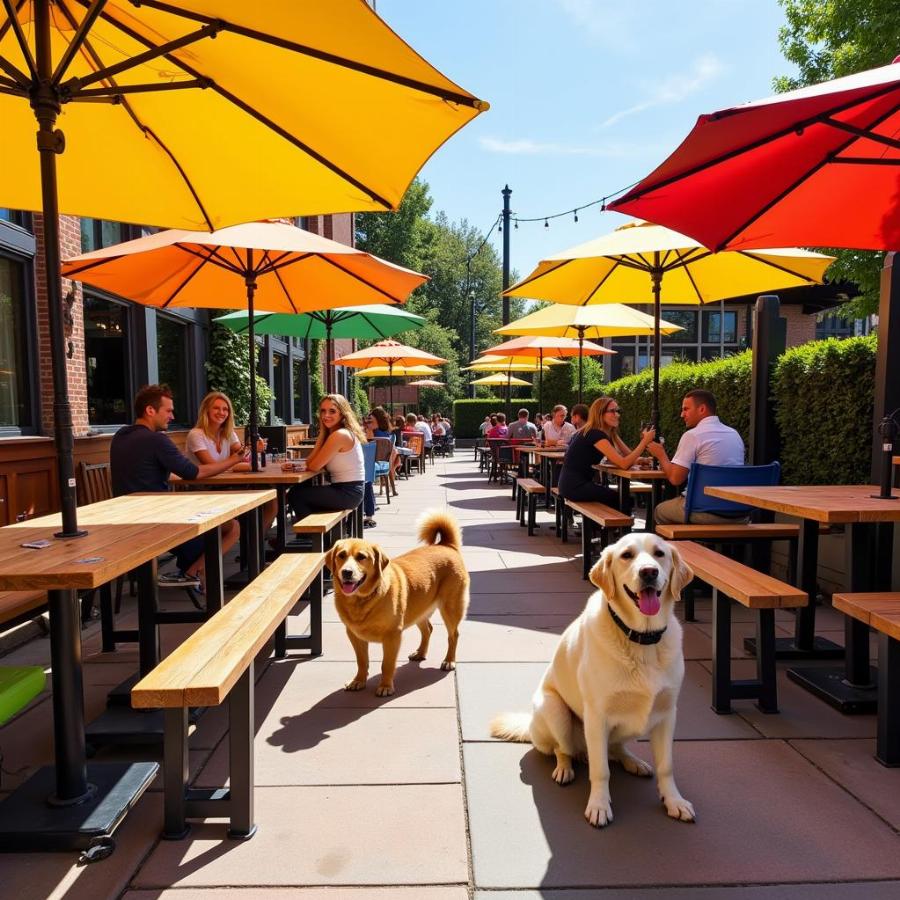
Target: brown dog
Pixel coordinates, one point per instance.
(377, 598)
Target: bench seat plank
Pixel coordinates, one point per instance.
(321, 522)
(753, 589)
(880, 611)
(530, 485)
(14, 604)
(601, 514)
(202, 670)
(775, 531)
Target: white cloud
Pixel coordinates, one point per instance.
(674, 88)
(601, 21)
(528, 147)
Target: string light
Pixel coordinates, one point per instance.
(601, 202)
(546, 224)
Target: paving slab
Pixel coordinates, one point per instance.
(316, 836)
(567, 601)
(859, 890)
(764, 813)
(332, 893)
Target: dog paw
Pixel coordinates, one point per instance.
(634, 765)
(384, 690)
(416, 656)
(563, 774)
(599, 814)
(679, 808)
(448, 666)
(355, 685)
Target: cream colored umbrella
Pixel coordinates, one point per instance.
(491, 363)
(400, 371)
(501, 380)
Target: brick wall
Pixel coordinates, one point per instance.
(69, 245)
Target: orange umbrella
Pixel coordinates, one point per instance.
(535, 345)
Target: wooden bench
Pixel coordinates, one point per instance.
(881, 612)
(19, 606)
(320, 526)
(527, 492)
(731, 580)
(608, 519)
(216, 662)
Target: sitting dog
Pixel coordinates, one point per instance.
(377, 597)
(615, 677)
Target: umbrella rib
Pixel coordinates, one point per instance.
(214, 257)
(775, 265)
(286, 259)
(9, 19)
(373, 325)
(94, 58)
(695, 254)
(321, 55)
(16, 26)
(17, 80)
(187, 280)
(78, 39)
(532, 278)
(862, 133)
(287, 293)
(600, 283)
(690, 278)
(362, 280)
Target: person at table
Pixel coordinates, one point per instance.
(437, 426)
(522, 429)
(557, 431)
(499, 429)
(141, 459)
(377, 425)
(579, 415)
(485, 426)
(338, 452)
(425, 428)
(706, 441)
(598, 438)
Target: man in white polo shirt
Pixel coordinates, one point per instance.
(706, 441)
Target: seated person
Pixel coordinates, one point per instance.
(598, 438)
(522, 429)
(706, 441)
(425, 428)
(557, 431)
(484, 426)
(338, 451)
(377, 425)
(499, 430)
(579, 415)
(142, 457)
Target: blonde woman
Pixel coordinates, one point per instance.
(598, 438)
(338, 451)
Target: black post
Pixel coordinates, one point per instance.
(769, 341)
(506, 195)
(887, 360)
(508, 392)
(391, 385)
(51, 142)
(329, 367)
(541, 380)
(471, 337)
(580, 362)
(250, 281)
(656, 277)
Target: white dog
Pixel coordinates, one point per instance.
(615, 677)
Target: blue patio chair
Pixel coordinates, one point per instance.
(702, 476)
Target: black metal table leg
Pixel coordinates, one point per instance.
(241, 731)
(281, 517)
(887, 747)
(212, 562)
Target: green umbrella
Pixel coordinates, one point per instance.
(376, 320)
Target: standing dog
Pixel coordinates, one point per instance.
(377, 598)
(615, 677)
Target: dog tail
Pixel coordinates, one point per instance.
(438, 523)
(512, 727)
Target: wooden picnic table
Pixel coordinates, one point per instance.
(124, 534)
(656, 477)
(547, 456)
(869, 544)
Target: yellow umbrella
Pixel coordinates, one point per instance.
(501, 380)
(642, 263)
(399, 371)
(490, 363)
(426, 382)
(586, 322)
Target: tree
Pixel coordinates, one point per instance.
(829, 39)
(228, 370)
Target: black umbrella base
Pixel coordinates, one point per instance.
(29, 823)
(786, 648)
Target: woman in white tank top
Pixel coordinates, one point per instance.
(338, 451)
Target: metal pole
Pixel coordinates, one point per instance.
(391, 384)
(471, 337)
(656, 276)
(250, 281)
(540, 379)
(506, 195)
(329, 367)
(580, 361)
(51, 142)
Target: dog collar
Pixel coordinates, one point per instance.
(636, 637)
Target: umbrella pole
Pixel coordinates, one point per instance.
(656, 276)
(329, 356)
(391, 385)
(580, 361)
(508, 393)
(250, 281)
(541, 380)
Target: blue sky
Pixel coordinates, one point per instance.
(587, 96)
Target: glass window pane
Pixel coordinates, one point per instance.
(15, 406)
(687, 319)
(88, 235)
(279, 384)
(712, 326)
(106, 362)
(110, 233)
(172, 356)
(299, 389)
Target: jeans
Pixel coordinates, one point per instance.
(369, 500)
(189, 552)
(308, 498)
(672, 513)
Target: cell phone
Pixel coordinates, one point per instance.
(37, 545)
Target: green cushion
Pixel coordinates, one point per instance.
(18, 686)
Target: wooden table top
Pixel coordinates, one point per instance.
(119, 537)
(632, 474)
(896, 460)
(843, 503)
(271, 474)
(549, 452)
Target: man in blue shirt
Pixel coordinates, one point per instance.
(141, 458)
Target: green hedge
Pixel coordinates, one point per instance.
(728, 379)
(469, 414)
(825, 395)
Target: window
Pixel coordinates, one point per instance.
(300, 389)
(16, 217)
(280, 387)
(98, 233)
(172, 357)
(107, 361)
(712, 327)
(834, 326)
(15, 400)
(687, 319)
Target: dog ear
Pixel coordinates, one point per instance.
(329, 556)
(601, 574)
(381, 559)
(680, 576)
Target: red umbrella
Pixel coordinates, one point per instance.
(815, 167)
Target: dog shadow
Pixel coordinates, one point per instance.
(314, 725)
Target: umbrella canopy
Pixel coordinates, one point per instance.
(399, 371)
(285, 268)
(510, 364)
(182, 102)
(537, 345)
(352, 322)
(818, 166)
(586, 322)
(426, 383)
(500, 380)
(641, 262)
(388, 353)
